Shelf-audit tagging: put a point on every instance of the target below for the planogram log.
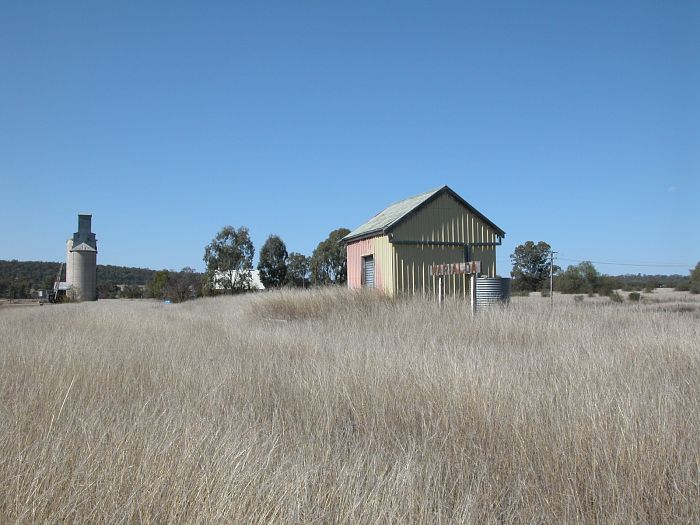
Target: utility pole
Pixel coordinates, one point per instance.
(551, 277)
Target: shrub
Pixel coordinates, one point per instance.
(581, 278)
(615, 297)
(606, 287)
(694, 282)
(634, 297)
(578, 298)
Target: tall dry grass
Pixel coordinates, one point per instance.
(332, 407)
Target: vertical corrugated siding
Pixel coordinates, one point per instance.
(413, 266)
(443, 220)
(355, 252)
(383, 263)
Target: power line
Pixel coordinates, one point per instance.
(613, 263)
(650, 265)
(661, 265)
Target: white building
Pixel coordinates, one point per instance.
(223, 280)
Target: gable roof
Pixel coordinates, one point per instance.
(83, 247)
(387, 219)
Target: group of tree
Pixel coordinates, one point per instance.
(584, 278)
(694, 280)
(20, 275)
(532, 266)
(15, 288)
(328, 262)
(124, 275)
(581, 278)
(229, 262)
(175, 286)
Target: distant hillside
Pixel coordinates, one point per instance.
(639, 281)
(124, 274)
(26, 275)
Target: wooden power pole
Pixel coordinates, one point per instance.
(551, 277)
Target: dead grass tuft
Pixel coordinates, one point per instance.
(318, 303)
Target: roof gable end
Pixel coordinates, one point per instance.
(83, 247)
(390, 217)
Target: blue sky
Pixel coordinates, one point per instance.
(573, 123)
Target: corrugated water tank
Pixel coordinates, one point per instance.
(492, 292)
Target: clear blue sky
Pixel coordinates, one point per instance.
(573, 123)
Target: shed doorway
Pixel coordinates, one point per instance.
(368, 271)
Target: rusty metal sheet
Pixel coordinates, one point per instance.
(468, 267)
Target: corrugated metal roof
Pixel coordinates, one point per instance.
(386, 219)
(388, 216)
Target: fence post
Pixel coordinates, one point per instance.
(472, 292)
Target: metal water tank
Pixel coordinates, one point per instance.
(492, 292)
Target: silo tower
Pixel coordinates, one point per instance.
(69, 262)
(81, 272)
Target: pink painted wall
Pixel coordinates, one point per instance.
(355, 251)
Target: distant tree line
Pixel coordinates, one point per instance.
(123, 274)
(531, 273)
(21, 279)
(229, 265)
(584, 278)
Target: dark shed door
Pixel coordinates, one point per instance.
(368, 271)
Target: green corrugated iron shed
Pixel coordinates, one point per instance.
(394, 250)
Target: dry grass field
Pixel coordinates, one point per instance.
(332, 407)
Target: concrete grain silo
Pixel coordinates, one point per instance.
(69, 262)
(81, 273)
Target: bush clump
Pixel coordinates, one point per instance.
(615, 297)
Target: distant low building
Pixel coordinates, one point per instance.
(222, 279)
(394, 250)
